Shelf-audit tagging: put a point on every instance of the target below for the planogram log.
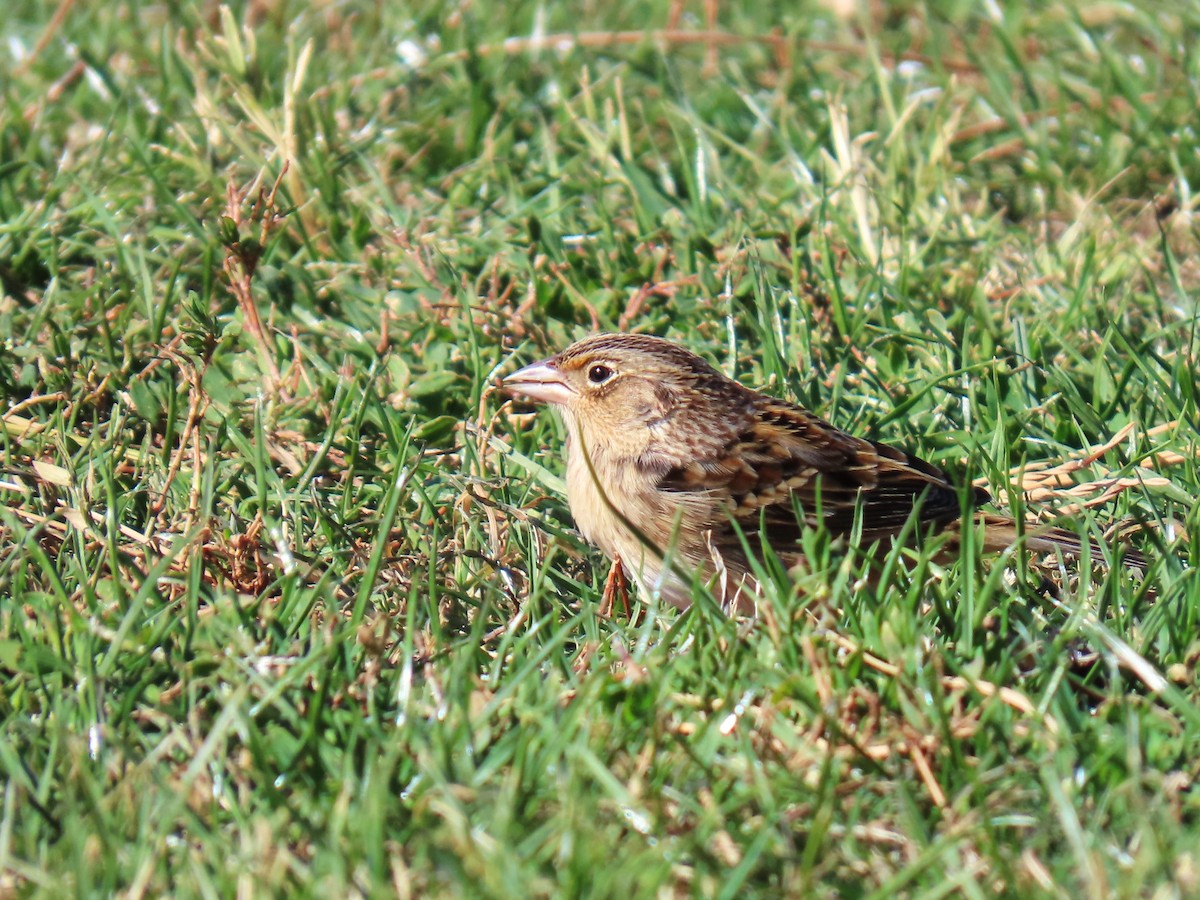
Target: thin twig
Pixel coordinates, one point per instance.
(47, 35)
(242, 256)
(1009, 697)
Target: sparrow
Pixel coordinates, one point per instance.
(677, 472)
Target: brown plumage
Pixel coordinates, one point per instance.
(665, 454)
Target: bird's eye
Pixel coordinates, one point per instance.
(599, 374)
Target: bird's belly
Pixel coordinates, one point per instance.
(640, 526)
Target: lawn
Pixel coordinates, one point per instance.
(290, 598)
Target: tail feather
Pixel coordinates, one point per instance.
(1001, 532)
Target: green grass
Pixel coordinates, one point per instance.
(330, 631)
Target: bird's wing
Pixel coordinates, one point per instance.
(786, 457)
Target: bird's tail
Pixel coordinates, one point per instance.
(1002, 532)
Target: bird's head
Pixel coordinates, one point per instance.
(625, 392)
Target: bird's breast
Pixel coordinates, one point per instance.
(617, 506)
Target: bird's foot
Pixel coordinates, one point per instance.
(616, 585)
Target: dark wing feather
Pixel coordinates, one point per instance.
(786, 457)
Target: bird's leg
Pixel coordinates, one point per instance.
(616, 585)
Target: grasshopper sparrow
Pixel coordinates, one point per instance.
(668, 460)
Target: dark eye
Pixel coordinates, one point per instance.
(599, 374)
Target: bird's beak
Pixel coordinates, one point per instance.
(542, 382)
